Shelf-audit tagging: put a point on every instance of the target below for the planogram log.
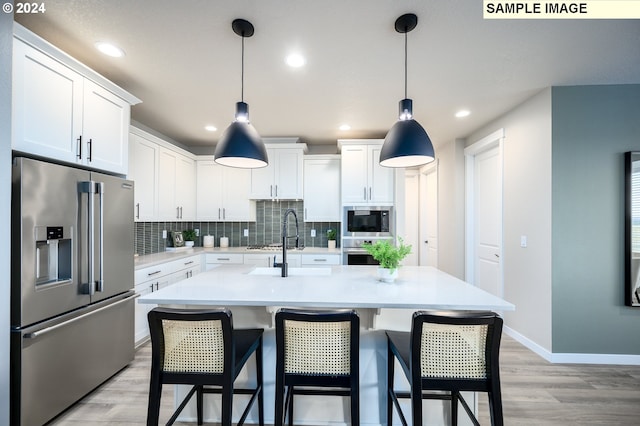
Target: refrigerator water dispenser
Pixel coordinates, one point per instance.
(53, 256)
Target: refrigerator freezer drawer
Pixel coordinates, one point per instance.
(56, 366)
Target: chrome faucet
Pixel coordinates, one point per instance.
(285, 222)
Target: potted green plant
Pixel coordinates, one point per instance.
(389, 257)
(331, 238)
(189, 236)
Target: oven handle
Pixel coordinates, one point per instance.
(72, 320)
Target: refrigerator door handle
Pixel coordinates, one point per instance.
(78, 318)
(100, 283)
(89, 187)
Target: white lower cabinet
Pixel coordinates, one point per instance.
(267, 259)
(154, 278)
(157, 277)
(214, 259)
(186, 268)
(316, 260)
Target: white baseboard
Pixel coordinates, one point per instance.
(572, 358)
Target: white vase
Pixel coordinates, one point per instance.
(387, 275)
(331, 244)
(188, 243)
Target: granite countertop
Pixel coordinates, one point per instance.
(417, 287)
(167, 256)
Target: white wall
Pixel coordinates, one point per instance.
(451, 207)
(527, 211)
(6, 37)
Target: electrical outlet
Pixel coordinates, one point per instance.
(197, 231)
(164, 234)
(313, 233)
(246, 232)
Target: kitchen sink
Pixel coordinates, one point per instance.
(292, 271)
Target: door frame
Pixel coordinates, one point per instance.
(491, 141)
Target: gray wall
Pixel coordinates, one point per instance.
(592, 127)
(6, 43)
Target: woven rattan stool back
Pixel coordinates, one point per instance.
(317, 347)
(193, 346)
(453, 351)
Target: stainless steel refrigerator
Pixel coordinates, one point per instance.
(72, 279)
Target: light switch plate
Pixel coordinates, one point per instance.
(313, 233)
(197, 231)
(246, 232)
(523, 241)
(164, 234)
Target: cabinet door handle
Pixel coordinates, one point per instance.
(79, 154)
(138, 211)
(223, 258)
(90, 146)
(177, 212)
(271, 190)
(188, 263)
(157, 284)
(276, 190)
(365, 193)
(151, 288)
(319, 260)
(153, 273)
(369, 193)
(224, 213)
(219, 217)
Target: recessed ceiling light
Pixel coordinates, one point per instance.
(109, 49)
(345, 127)
(210, 128)
(295, 60)
(463, 113)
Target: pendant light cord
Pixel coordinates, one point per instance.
(405, 64)
(242, 74)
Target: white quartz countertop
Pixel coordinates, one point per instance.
(167, 256)
(417, 287)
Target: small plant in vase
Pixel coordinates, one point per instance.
(189, 236)
(331, 238)
(389, 257)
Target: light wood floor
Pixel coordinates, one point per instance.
(534, 392)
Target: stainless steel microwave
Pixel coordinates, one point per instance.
(361, 221)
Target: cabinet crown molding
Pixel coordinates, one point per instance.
(41, 44)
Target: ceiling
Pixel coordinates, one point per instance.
(184, 61)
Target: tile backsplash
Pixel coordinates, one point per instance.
(267, 229)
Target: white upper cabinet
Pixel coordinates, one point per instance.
(223, 193)
(105, 128)
(322, 188)
(364, 181)
(282, 178)
(176, 186)
(143, 159)
(62, 113)
(47, 105)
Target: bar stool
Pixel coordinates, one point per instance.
(447, 351)
(317, 354)
(201, 348)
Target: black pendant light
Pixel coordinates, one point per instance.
(407, 143)
(241, 145)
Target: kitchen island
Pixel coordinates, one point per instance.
(254, 294)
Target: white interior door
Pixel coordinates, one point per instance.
(412, 216)
(429, 216)
(484, 214)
